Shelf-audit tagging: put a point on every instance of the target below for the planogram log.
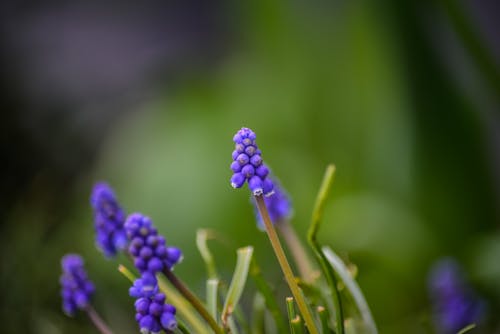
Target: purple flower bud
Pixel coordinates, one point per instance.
(160, 298)
(76, 288)
(250, 150)
(256, 160)
(155, 309)
(268, 187)
(148, 249)
(146, 323)
(237, 180)
(142, 305)
(248, 166)
(108, 220)
(243, 159)
(255, 185)
(169, 308)
(454, 303)
(161, 251)
(262, 171)
(236, 167)
(146, 252)
(153, 315)
(168, 321)
(174, 254)
(155, 265)
(248, 171)
(240, 148)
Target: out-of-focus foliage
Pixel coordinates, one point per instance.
(371, 87)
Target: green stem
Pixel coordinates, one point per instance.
(285, 266)
(177, 283)
(324, 319)
(267, 294)
(320, 257)
(97, 321)
(297, 249)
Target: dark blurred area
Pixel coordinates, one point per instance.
(404, 96)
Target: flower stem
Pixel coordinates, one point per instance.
(193, 300)
(285, 266)
(97, 320)
(297, 249)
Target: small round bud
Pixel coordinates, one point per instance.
(168, 321)
(236, 167)
(155, 309)
(146, 252)
(255, 185)
(262, 171)
(248, 171)
(250, 150)
(256, 160)
(243, 159)
(240, 148)
(155, 265)
(237, 180)
(267, 186)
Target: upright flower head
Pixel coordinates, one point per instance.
(76, 288)
(152, 313)
(248, 165)
(148, 249)
(278, 205)
(454, 303)
(108, 220)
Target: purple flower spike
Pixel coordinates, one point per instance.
(148, 249)
(454, 303)
(77, 289)
(248, 166)
(278, 206)
(108, 220)
(152, 313)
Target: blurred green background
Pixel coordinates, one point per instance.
(403, 96)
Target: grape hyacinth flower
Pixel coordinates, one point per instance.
(77, 289)
(109, 218)
(148, 249)
(454, 303)
(278, 205)
(152, 313)
(248, 165)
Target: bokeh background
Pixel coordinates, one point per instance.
(403, 96)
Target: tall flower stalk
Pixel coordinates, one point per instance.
(248, 167)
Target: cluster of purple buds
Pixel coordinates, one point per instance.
(148, 249)
(248, 165)
(109, 218)
(152, 313)
(76, 287)
(454, 303)
(278, 205)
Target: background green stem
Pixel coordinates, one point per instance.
(285, 266)
(320, 257)
(297, 249)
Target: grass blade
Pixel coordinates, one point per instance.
(202, 236)
(353, 288)
(267, 293)
(238, 282)
(212, 291)
(320, 257)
